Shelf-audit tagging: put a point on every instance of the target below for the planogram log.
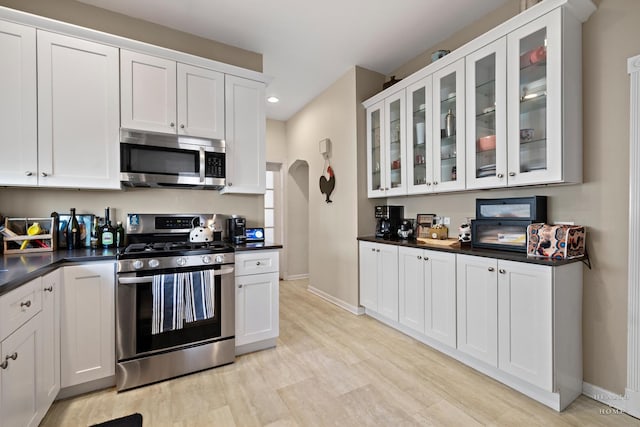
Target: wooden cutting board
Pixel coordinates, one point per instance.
(441, 243)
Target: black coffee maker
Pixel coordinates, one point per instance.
(388, 220)
(236, 230)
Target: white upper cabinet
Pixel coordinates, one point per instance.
(245, 128)
(486, 75)
(375, 158)
(160, 95)
(78, 104)
(18, 108)
(148, 92)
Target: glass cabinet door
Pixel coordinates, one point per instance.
(486, 76)
(394, 113)
(419, 137)
(449, 128)
(375, 161)
(534, 99)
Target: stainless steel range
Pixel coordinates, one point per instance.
(175, 299)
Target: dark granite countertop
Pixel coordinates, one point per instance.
(17, 269)
(467, 250)
(256, 246)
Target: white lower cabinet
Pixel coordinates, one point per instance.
(477, 294)
(87, 323)
(49, 376)
(427, 288)
(379, 278)
(257, 300)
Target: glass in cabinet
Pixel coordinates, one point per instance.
(535, 101)
(395, 169)
(419, 137)
(486, 77)
(374, 150)
(449, 128)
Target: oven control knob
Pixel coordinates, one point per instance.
(181, 261)
(137, 264)
(154, 263)
(219, 259)
(206, 259)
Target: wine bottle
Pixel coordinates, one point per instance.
(95, 233)
(73, 231)
(107, 232)
(119, 235)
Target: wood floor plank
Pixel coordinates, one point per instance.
(331, 368)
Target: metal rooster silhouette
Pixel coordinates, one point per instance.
(327, 185)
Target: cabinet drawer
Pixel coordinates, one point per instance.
(18, 306)
(256, 262)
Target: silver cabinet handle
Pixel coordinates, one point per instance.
(491, 269)
(45, 174)
(26, 304)
(239, 286)
(181, 126)
(14, 356)
(377, 250)
(512, 174)
(172, 124)
(435, 182)
(500, 175)
(28, 173)
(49, 289)
(428, 184)
(502, 271)
(419, 257)
(373, 249)
(257, 262)
(230, 184)
(426, 258)
(4, 364)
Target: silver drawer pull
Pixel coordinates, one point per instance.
(26, 304)
(49, 289)
(258, 263)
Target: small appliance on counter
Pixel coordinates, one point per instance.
(423, 223)
(405, 232)
(502, 223)
(388, 220)
(236, 230)
(255, 234)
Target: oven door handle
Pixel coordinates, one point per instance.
(202, 164)
(146, 279)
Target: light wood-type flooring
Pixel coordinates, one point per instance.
(331, 368)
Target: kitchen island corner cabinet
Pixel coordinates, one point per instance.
(518, 322)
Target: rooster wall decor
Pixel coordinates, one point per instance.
(327, 185)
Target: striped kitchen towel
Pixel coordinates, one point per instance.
(199, 295)
(168, 303)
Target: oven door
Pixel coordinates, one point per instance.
(134, 310)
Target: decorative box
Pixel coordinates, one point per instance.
(556, 241)
(439, 232)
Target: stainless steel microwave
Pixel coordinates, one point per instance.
(157, 160)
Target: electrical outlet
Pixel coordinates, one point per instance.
(447, 220)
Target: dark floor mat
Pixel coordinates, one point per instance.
(133, 420)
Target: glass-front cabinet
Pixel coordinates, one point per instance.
(486, 76)
(419, 137)
(449, 128)
(535, 135)
(386, 148)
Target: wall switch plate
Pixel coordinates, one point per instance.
(447, 220)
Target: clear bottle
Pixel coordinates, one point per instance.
(95, 233)
(119, 235)
(107, 232)
(73, 232)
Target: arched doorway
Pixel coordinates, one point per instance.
(297, 220)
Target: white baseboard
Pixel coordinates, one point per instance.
(350, 308)
(296, 276)
(617, 401)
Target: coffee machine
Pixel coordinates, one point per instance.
(388, 220)
(236, 230)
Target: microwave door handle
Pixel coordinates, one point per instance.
(202, 164)
(147, 279)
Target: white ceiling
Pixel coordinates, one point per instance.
(307, 45)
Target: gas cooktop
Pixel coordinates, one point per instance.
(170, 249)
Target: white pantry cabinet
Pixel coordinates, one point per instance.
(49, 353)
(428, 293)
(379, 279)
(257, 300)
(78, 104)
(18, 105)
(87, 323)
(245, 127)
(162, 95)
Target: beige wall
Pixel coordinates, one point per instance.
(114, 23)
(297, 242)
(601, 203)
(276, 142)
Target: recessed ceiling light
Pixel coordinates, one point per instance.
(272, 99)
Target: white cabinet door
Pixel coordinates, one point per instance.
(368, 275)
(376, 160)
(257, 308)
(19, 376)
(388, 281)
(87, 323)
(78, 104)
(18, 109)
(440, 296)
(525, 303)
(411, 286)
(477, 310)
(49, 354)
(395, 167)
(419, 137)
(245, 125)
(200, 102)
(148, 92)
